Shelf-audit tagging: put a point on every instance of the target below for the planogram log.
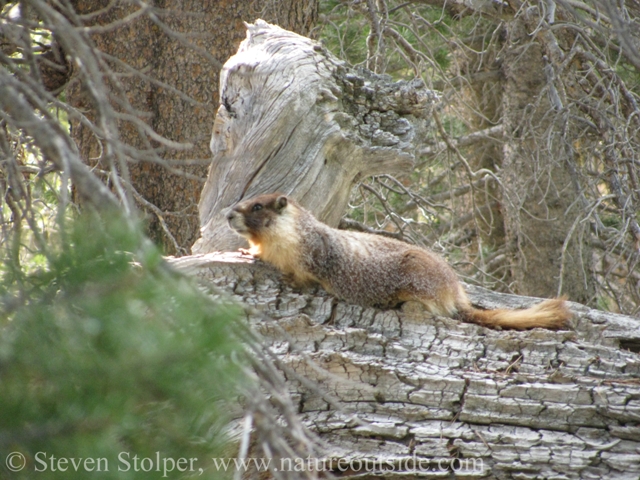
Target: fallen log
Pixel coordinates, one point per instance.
(409, 395)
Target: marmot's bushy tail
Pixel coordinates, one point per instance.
(548, 314)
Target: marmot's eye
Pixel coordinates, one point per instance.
(256, 207)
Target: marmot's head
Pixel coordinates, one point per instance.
(252, 218)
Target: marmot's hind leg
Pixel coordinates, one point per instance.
(430, 281)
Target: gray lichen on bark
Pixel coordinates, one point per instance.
(534, 404)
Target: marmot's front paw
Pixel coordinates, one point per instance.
(245, 251)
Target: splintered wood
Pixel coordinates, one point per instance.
(295, 119)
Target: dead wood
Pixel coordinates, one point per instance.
(295, 119)
(398, 385)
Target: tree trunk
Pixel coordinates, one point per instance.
(396, 387)
(540, 200)
(167, 60)
(295, 119)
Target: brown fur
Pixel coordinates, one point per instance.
(367, 269)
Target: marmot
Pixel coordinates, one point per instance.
(367, 269)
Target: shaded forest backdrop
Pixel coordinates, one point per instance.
(527, 180)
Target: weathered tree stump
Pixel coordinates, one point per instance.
(295, 119)
(454, 397)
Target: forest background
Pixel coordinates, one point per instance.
(527, 180)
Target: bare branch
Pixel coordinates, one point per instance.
(49, 139)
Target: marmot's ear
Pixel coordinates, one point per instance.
(281, 202)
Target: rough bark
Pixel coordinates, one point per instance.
(401, 384)
(295, 119)
(168, 61)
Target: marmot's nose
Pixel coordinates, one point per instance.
(231, 215)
